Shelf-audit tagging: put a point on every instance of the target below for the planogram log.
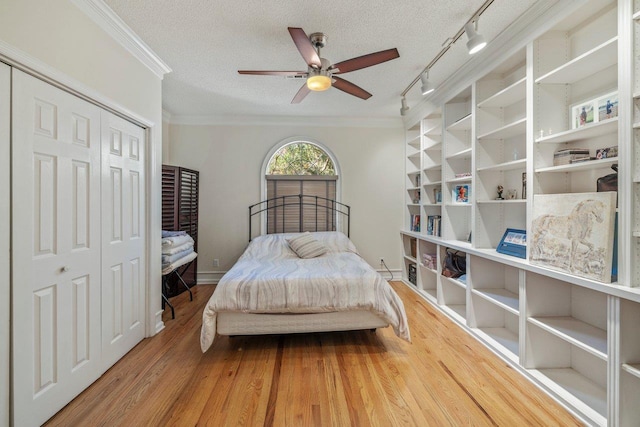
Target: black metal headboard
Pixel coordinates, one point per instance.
(332, 210)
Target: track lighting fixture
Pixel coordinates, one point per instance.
(426, 88)
(476, 42)
(404, 108)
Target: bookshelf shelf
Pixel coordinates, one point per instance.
(586, 165)
(460, 179)
(588, 131)
(506, 166)
(576, 332)
(585, 65)
(510, 130)
(507, 96)
(462, 124)
(462, 154)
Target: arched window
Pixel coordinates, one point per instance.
(294, 167)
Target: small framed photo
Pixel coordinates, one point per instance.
(607, 106)
(514, 243)
(461, 193)
(583, 114)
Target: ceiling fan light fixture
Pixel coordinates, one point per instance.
(426, 88)
(476, 42)
(318, 82)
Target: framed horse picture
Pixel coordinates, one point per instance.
(574, 233)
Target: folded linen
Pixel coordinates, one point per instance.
(167, 233)
(178, 263)
(168, 259)
(175, 241)
(170, 250)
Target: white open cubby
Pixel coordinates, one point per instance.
(452, 293)
(630, 363)
(428, 276)
(575, 314)
(495, 304)
(566, 343)
(583, 70)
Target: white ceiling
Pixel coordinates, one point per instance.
(205, 42)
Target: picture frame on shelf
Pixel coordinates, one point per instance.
(583, 113)
(514, 243)
(574, 233)
(607, 106)
(461, 193)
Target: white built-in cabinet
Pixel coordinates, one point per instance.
(77, 244)
(575, 338)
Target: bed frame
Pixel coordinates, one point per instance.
(235, 323)
(335, 212)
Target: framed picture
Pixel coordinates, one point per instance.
(583, 114)
(607, 106)
(514, 243)
(574, 233)
(461, 193)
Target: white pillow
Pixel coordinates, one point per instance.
(306, 246)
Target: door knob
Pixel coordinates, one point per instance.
(64, 269)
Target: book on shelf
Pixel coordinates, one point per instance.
(437, 195)
(433, 225)
(415, 222)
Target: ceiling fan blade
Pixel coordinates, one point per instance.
(365, 61)
(273, 73)
(305, 47)
(304, 91)
(350, 88)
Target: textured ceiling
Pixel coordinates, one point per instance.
(205, 42)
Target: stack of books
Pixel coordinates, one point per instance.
(570, 155)
(415, 222)
(433, 225)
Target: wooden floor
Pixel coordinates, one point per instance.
(444, 378)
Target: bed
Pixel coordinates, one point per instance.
(271, 290)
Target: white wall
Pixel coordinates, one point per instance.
(230, 158)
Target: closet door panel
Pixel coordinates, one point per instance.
(56, 248)
(123, 234)
(5, 97)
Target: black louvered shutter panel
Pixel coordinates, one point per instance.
(180, 213)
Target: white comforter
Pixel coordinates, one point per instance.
(270, 278)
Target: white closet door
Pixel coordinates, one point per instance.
(56, 248)
(5, 105)
(123, 237)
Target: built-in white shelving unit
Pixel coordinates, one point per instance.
(575, 338)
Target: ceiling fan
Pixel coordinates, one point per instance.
(321, 74)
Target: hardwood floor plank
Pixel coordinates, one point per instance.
(444, 377)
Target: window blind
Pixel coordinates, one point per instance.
(287, 219)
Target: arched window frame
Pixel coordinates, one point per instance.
(269, 157)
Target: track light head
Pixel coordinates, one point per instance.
(476, 42)
(426, 88)
(404, 108)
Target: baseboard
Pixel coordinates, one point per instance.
(395, 274)
(210, 277)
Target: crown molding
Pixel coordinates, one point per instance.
(166, 116)
(35, 67)
(235, 120)
(537, 20)
(113, 25)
